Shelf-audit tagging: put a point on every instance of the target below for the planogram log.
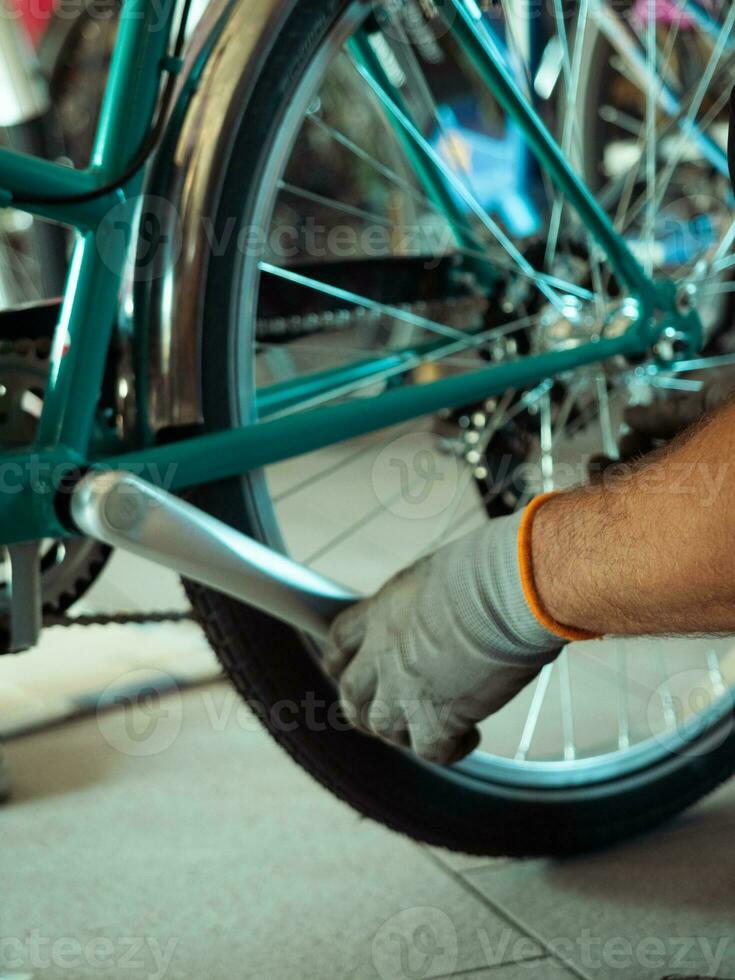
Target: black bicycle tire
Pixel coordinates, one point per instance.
(271, 665)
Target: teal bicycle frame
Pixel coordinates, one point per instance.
(84, 199)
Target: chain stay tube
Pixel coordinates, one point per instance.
(230, 453)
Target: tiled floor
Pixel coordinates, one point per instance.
(172, 838)
(212, 855)
(73, 668)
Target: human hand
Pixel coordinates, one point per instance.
(445, 643)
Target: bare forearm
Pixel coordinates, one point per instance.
(651, 550)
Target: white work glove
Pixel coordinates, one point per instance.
(442, 645)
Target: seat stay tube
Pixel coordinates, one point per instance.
(89, 311)
(131, 93)
(466, 23)
(429, 175)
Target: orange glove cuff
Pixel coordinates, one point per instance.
(525, 563)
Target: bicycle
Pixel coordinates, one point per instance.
(208, 336)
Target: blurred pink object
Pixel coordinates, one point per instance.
(667, 12)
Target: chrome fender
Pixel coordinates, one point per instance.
(224, 59)
(23, 90)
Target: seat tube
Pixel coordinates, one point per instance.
(133, 82)
(89, 312)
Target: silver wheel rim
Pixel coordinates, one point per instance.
(678, 741)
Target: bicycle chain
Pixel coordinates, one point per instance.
(453, 311)
(118, 619)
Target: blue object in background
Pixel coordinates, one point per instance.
(500, 170)
(497, 169)
(677, 241)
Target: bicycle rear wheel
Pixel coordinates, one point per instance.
(597, 749)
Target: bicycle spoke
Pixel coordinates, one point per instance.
(703, 363)
(567, 709)
(664, 689)
(721, 266)
(672, 37)
(726, 244)
(492, 226)
(409, 363)
(565, 410)
(507, 8)
(335, 205)
(652, 82)
(697, 99)
(546, 440)
(554, 282)
(622, 120)
(719, 685)
(340, 464)
(323, 550)
(571, 68)
(609, 442)
(534, 713)
(675, 384)
(410, 65)
(650, 123)
(384, 309)
(623, 706)
(390, 175)
(711, 115)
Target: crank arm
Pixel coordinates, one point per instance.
(126, 512)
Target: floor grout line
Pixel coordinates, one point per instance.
(81, 708)
(507, 916)
(491, 865)
(494, 966)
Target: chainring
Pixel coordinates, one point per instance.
(68, 567)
